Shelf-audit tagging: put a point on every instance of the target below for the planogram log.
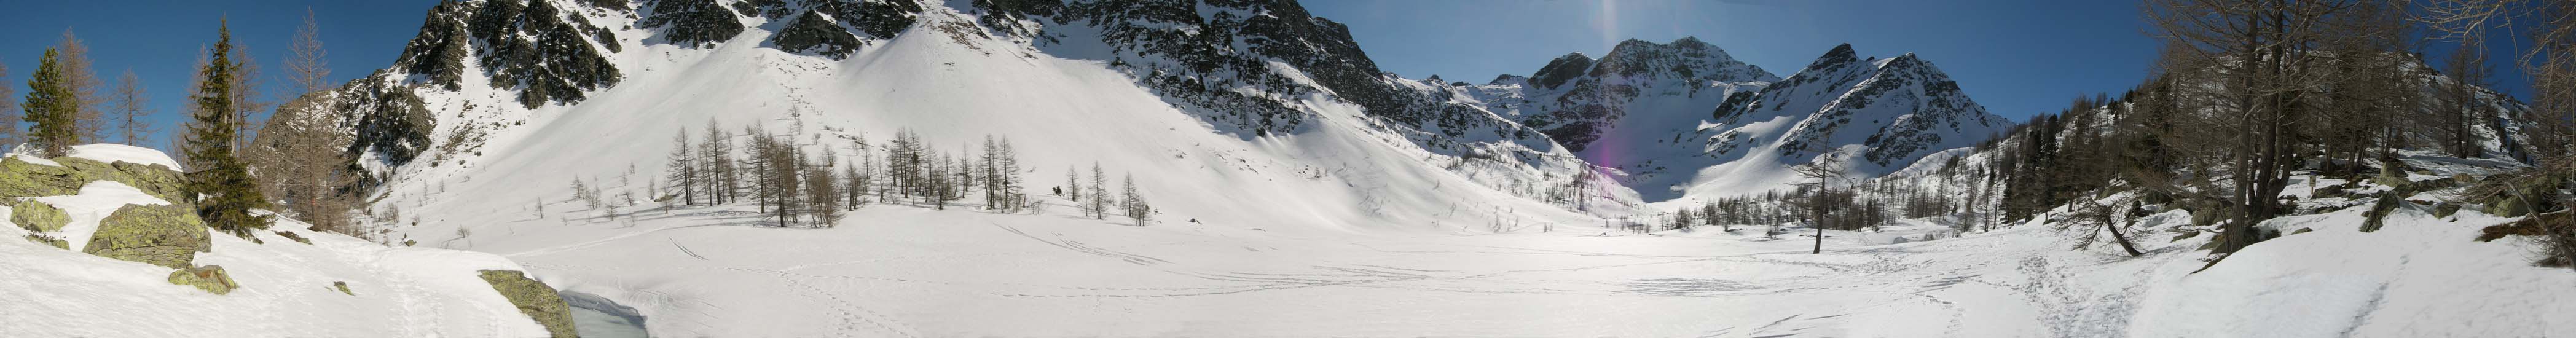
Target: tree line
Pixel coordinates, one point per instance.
(793, 186)
(64, 107)
(2245, 97)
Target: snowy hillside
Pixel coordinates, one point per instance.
(1878, 115)
(108, 270)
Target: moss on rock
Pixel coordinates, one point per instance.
(38, 216)
(164, 235)
(159, 181)
(535, 299)
(58, 243)
(19, 178)
(210, 278)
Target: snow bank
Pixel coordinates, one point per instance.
(112, 153)
(287, 288)
(95, 201)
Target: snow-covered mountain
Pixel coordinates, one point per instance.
(1584, 103)
(1260, 72)
(1684, 119)
(1878, 115)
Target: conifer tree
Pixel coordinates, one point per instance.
(933, 176)
(990, 166)
(1072, 189)
(51, 107)
(1013, 199)
(1708, 214)
(715, 159)
(682, 171)
(854, 186)
(967, 179)
(9, 117)
(1099, 203)
(130, 105)
(1134, 203)
(85, 84)
(822, 194)
(224, 188)
(862, 175)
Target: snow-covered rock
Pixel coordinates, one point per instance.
(128, 263)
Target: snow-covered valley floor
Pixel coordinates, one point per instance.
(894, 270)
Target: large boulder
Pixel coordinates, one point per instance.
(164, 235)
(157, 180)
(535, 299)
(210, 278)
(39, 217)
(20, 178)
(66, 175)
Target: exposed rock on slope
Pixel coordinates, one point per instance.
(116, 258)
(815, 34)
(533, 298)
(164, 235)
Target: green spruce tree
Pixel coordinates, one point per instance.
(51, 105)
(223, 186)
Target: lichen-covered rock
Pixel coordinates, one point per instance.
(210, 278)
(18, 178)
(153, 179)
(58, 243)
(535, 299)
(164, 235)
(38, 216)
(293, 236)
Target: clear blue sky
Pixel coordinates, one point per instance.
(2017, 57)
(159, 39)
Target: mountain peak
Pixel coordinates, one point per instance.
(1841, 54)
(1685, 58)
(1561, 69)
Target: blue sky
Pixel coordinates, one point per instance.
(159, 39)
(2017, 57)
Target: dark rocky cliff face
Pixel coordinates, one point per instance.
(549, 55)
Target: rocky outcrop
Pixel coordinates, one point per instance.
(881, 19)
(210, 278)
(58, 243)
(159, 181)
(164, 235)
(38, 217)
(390, 120)
(812, 33)
(693, 23)
(1558, 71)
(535, 299)
(533, 46)
(19, 178)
